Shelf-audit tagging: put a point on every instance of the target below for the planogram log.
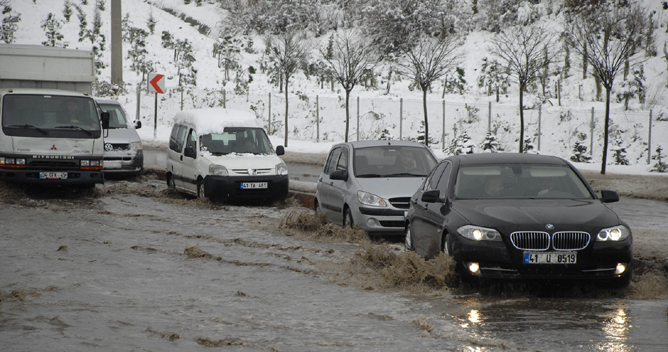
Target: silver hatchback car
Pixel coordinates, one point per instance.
(370, 183)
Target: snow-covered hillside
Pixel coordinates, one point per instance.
(317, 113)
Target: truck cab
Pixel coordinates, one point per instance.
(51, 136)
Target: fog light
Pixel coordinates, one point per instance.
(620, 269)
(474, 268)
(372, 222)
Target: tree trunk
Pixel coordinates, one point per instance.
(521, 118)
(286, 111)
(426, 120)
(347, 113)
(606, 132)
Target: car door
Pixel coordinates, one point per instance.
(325, 197)
(175, 154)
(190, 155)
(423, 215)
(339, 188)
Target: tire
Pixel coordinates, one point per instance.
(445, 248)
(408, 239)
(201, 191)
(348, 219)
(171, 184)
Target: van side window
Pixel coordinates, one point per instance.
(192, 141)
(177, 138)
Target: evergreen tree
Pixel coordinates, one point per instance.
(151, 22)
(464, 144)
(619, 150)
(580, 153)
(137, 53)
(490, 144)
(660, 166)
(67, 10)
(9, 24)
(51, 27)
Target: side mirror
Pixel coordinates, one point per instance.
(190, 152)
(280, 150)
(432, 196)
(608, 196)
(105, 119)
(339, 175)
(137, 125)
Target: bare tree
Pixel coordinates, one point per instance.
(352, 55)
(525, 50)
(427, 60)
(287, 52)
(609, 35)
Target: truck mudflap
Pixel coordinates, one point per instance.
(52, 177)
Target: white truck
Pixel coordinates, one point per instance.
(52, 130)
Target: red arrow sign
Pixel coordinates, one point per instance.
(158, 83)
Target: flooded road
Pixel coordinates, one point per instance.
(131, 266)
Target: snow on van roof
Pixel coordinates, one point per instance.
(216, 119)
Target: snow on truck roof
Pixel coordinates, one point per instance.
(216, 119)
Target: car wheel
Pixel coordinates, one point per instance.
(348, 219)
(445, 248)
(171, 184)
(316, 207)
(200, 189)
(408, 239)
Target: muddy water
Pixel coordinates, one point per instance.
(130, 266)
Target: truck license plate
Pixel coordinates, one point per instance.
(253, 185)
(53, 175)
(550, 258)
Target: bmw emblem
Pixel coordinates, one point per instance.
(108, 147)
(549, 227)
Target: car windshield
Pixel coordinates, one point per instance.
(116, 115)
(236, 140)
(519, 181)
(393, 161)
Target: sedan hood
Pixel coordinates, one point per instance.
(390, 187)
(122, 135)
(534, 215)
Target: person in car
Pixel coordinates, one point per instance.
(406, 160)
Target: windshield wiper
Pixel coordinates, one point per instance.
(76, 128)
(370, 175)
(29, 126)
(403, 174)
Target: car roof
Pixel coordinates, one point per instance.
(504, 158)
(43, 91)
(210, 120)
(107, 101)
(381, 143)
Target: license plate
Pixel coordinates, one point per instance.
(253, 185)
(550, 258)
(53, 175)
(112, 164)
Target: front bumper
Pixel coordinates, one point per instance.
(380, 221)
(123, 162)
(498, 260)
(229, 187)
(77, 177)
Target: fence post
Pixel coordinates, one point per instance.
(224, 99)
(540, 110)
(138, 116)
(358, 118)
(443, 131)
(401, 116)
(649, 140)
(317, 119)
(181, 98)
(489, 117)
(269, 118)
(591, 140)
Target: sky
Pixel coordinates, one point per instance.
(302, 132)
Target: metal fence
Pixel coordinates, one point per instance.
(548, 129)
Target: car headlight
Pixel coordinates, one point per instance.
(616, 233)
(135, 146)
(478, 233)
(281, 169)
(367, 198)
(217, 170)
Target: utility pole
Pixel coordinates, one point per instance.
(116, 43)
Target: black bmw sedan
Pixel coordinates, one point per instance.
(519, 216)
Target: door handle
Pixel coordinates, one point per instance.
(181, 157)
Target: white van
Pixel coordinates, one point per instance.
(123, 153)
(224, 154)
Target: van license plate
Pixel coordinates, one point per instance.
(53, 175)
(550, 258)
(253, 185)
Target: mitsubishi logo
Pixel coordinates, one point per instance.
(54, 147)
(252, 172)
